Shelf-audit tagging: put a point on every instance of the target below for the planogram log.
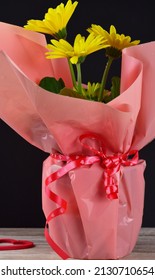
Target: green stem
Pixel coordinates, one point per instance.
(72, 73)
(79, 78)
(104, 78)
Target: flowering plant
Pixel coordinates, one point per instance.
(93, 146)
(55, 23)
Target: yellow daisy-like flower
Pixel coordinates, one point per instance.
(76, 53)
(115, 41)
(55, 20)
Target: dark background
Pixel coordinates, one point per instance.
(21, 163)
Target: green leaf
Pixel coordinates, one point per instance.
(115, 88)
(69, 92)
(114, 91)
(51, 84)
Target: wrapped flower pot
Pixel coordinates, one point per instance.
(93, 179)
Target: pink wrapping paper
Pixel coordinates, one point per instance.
(48, 121)
(94, 227)
(125, 123)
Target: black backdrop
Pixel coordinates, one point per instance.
(21, 163)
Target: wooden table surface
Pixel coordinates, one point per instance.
(144, 249)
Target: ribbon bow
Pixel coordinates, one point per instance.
(111, 165)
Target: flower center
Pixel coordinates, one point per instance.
(113, 52)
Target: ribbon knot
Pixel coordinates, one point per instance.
(111, 163)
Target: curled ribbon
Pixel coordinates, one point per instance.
(110, 163)
(15, 244)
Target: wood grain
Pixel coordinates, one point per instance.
(144, 249)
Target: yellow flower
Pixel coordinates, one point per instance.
(113, 39)
(55, 20)
(76, 53)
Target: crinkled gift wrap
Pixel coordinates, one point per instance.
(51, 121)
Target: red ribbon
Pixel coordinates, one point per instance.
(16, 244)
(111, 165)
